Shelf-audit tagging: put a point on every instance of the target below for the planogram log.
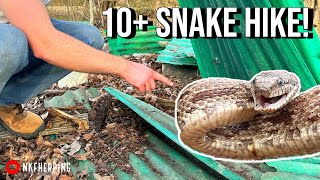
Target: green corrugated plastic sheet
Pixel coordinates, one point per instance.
(143, 42)
(165, 124)
(178, 52)
(160, 161)
(73, 98)
(78, 166)
(295, 169)
(242, 58)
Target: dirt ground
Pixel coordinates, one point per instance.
(115, 130)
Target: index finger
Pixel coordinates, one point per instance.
(163, 79)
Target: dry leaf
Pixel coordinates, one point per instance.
(55, 172)
(57, 156)
(98, 177)
(47, 177)
(47, 143)
(87, 137)
(74, 147)
(111, 126)
(49, 160)
(65, 177)
(39, 141)
(57, 151)
(121, 136)
(28, 157)
(65, 148)
(138, 153)
(49, 125)
(40, 177)
(163, 43)
(87, 148)
(81, 157)
(82, 174)
(42, 157)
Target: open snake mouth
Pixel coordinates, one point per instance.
(273, 102)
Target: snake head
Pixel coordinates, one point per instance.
(274, 89)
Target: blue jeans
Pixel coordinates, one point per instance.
(22, 75)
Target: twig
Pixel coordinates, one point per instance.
(54, 92)
(83, 125)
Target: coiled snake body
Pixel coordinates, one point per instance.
(265, 118)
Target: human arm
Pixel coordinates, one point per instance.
(64, 51)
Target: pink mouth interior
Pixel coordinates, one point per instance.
(270, 102)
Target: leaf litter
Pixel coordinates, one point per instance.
(115, 130)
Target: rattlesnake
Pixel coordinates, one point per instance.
(257, 120)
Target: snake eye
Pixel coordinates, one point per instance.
(253, 81)
(280, 82)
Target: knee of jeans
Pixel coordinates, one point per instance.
(92, 36)
(13, 50)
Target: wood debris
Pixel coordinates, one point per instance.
(82, 125)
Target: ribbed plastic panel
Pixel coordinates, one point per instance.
(243, 58)
(73, 98)
(295, 169)
(165, 124)
(162, 162)
(159, 161)
(143, 42)
(178, 52)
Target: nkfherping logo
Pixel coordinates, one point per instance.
(13, 167)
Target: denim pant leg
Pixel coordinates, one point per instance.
(13, 52)
(38, 75)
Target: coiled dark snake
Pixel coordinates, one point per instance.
(264, 118)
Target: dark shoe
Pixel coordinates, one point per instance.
(21, 123)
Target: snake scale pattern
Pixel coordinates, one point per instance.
(264, 118)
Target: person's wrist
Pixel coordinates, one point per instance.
(122, 67)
